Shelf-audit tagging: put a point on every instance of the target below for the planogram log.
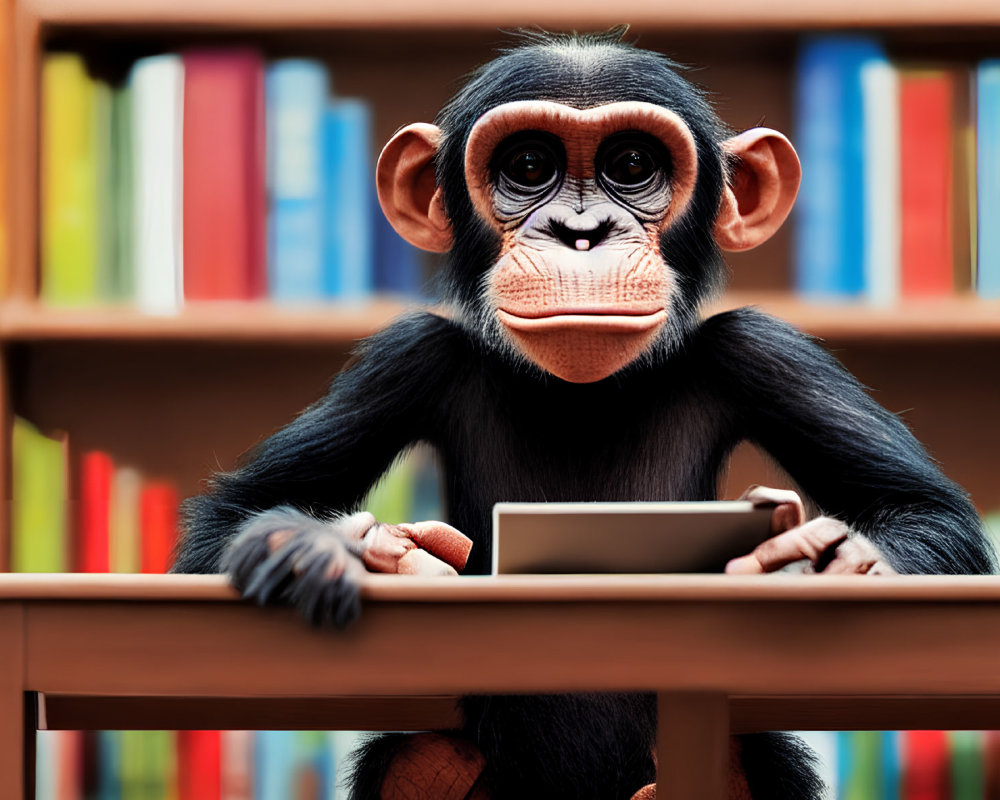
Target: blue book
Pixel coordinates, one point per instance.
(988, 178)
(109, 765)
(296, 98)
(832, 215)
(349, 177)
(399, 266)
(274, 764)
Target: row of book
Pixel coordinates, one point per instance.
(901, 174)
(107, 518)
(210, 175)
(908, 765)
(193, 765)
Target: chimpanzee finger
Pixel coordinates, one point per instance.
(808, 541)
(272, 576)
(856, 555)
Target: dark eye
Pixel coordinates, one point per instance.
(630, 167)
(632, 163)
(530, 168)
(527, 164)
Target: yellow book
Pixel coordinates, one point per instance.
(39, 542)
(70, 198)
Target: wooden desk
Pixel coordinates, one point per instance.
(724, 653)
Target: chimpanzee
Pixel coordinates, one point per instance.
(584, 191)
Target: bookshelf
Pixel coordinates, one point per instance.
(217, 378)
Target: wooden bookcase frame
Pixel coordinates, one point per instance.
(958, 338)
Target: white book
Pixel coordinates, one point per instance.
(157, 136)
(880, 99)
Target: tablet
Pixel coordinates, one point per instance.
(554, 538)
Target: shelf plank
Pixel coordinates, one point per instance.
(236, 322)
(582, 14)
(947, 319)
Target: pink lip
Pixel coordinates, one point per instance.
(611, 319)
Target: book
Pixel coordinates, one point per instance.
(124, 525)
(69, 201)
(236, 765)
(925, 774)
(832, 211)
(121, 275)
(158, 503)
(93, 523)
(297, 92)
(988, 184)
(967, 765)
(38, 510)
(926, 103)
(880, 99)
(349, 188)
(199, 769)
(157, 84)
(223, 156)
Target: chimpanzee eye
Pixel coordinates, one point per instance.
(632, 161)
(630, 167)
(527, 163)
(530, 168)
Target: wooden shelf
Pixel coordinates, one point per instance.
(250, 323)
(580, 15)
(946, 319)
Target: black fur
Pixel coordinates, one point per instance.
(661, 429)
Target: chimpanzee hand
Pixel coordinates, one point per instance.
(822, 544)
(285, 556)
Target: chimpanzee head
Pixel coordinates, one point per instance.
(583, 190)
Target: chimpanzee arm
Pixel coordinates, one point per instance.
(324, 462)
(855, 460)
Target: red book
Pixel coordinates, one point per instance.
(926, 101)
(96, 472)
(925, 767)
(158, 523)
(224, 204)
(199, 765)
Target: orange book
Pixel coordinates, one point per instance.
(199, 765)
(224, 204)
(96, 471)
(926, 101)
(158, 523)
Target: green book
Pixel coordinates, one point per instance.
(968, 777)
(391, 499)
(71, 123)
(39, 517)
(121, 286)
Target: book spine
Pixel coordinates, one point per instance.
(96, 473)
(158, 503)
(988, 192)
(220, 143)
(124, 523)
(69, 182)
(157, 84)
(926, 138)
(39, 519)
(348, 243)
(832, 212)
(296, 98)
(880, 96)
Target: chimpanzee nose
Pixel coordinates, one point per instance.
(580, 239)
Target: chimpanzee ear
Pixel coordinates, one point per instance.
(407, 190)
(761, 190)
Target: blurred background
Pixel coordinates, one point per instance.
(190, 248)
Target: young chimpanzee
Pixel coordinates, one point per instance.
(584, 191)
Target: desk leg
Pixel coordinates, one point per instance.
(12, 704)
(692, 746)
